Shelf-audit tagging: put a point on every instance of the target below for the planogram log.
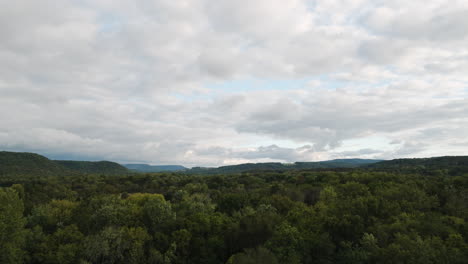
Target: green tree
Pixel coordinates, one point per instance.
(117, 245)
(12, 231)
(53, 215)
(286, 244)
(258, 255)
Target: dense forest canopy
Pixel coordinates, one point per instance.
(405, 211)
(104, 167)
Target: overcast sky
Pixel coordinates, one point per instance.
(210, 83)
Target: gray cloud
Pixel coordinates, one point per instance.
(421, 20)
(139, 81)
(359, 153)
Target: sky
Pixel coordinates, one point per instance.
(212, 83)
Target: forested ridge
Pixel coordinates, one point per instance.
(154, 168)
(13, 163)
(452, 165)
(32, 164)
(277, 166)
(103, 167)
(389, 213)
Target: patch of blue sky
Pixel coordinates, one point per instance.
(257, 84)
(465, 83)
(324, 81)
(109, 22)
(191, 97)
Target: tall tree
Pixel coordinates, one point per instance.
(12, 231)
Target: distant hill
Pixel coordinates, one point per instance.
(29, 164)
(94, 167)
(352, 162)
(154, 168)
(337, 163)
(450, 164)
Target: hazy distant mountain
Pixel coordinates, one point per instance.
(352, 161)
(31, 164)
(34, 164)
(337, 163)
(154, 168)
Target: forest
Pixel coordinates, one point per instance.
(401, 211)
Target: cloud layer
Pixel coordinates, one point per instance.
(211, 83)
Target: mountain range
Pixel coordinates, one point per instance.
(31, 164)
(154, 168)
(337, 163)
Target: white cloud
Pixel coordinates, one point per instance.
(130, 81)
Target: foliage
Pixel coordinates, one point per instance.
(14, 164)
(12, 232)
(276, 166)
(288, 216)
(97, 167)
